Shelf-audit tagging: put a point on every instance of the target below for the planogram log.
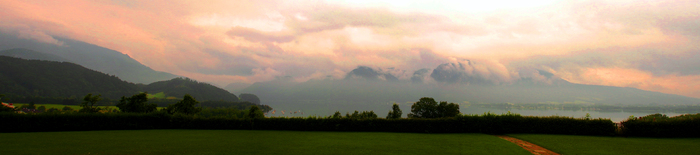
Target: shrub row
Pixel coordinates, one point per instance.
(491, 124)
(685, 127)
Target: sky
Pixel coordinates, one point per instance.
(646, 44)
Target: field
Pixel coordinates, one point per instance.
(60, 106)
(251, 142)
(75, 107)
(568, 144)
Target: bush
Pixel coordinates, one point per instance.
(657, 125)
(488, 123)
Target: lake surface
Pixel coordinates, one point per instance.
(615, 116)
(306, 109)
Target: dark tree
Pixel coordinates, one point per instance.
(426, 107)
(137, 104)
(265, 108)
(360, 115)
(186, 106)
(250, 98)
(448, 110)
(67, 109)
(31, 105)
(52, 110)
(254, 112)
(88, 104)
(41, 108)
(395, 113)
(337, 115)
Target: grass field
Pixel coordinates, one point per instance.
(568, 144)
(75, 107)
(60, 106)
(250, 142)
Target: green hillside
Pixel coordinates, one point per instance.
(89, 56)
(32, 55)
(58, 79)
(178, 87)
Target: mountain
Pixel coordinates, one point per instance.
(31, 55)
(457, 89)
(236, 87)
(58, 79)
(178, 87)
(85, 54)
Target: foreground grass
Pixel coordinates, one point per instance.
(60, 106)
(569, 144)
(250, 142)
(74, 107)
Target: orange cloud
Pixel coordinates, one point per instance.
(624, 77)
(225, 41)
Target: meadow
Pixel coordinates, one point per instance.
(572, 144)
(251, 142)
(75, 107)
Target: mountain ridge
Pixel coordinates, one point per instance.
(90, 56)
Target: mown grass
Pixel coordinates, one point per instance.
(251, 142)
(75, 107)
(570, 144)
(59, 106)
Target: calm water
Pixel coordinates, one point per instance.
(614, 116)
(306, 109)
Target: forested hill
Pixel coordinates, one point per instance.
(89, 56)
(178, 87)
(58, 79)
(32, 55)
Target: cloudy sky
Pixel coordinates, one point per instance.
(650, 45)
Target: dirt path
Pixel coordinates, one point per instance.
(534, 149)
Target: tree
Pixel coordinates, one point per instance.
(395, 113)
(448, 110)
(250, 98)
(136, 103)
(52, 110)
(67, 109)
(31, 105)
(89, 102)
(4, 108)
(359, 115)
(337, 115)
(254, 112)
(41, 108)
(427, 108)
(186, 106)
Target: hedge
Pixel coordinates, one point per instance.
(490, 124)
(685, 127)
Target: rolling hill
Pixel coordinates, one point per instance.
(58, 79)
(178, 87)
(88, 55)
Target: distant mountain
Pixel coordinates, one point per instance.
(236, 88)
(525, 90)
(178, 87)
(58, 79)
(32, 55)
(85, 54)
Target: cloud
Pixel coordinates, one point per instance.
(249, 41)
(473, 72)
(367, 73)
(420, 75)
(258, 36)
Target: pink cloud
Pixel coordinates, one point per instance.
(250, 41)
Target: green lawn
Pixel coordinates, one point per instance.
(60, 106)
(250, 142)
(75, 107)
(568, 144)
